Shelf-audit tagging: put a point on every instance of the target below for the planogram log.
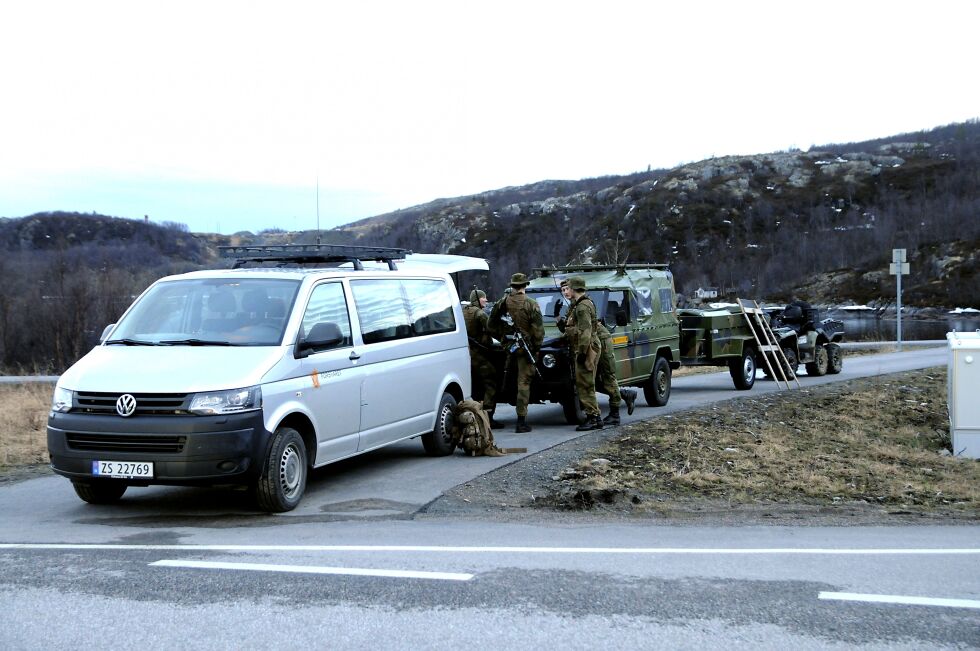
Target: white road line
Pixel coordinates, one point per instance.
(828, 551)
(899, 599)
(308, 569)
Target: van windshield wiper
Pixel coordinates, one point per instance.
(132, 342)
(195, 342)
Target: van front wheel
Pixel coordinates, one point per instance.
(283, 481)
(439, 442)
(100, 492)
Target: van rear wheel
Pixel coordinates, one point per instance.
(281, 486)
(100, 492)
(439, 442)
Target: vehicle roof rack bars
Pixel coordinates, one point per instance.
(544, 272)
(313, 254)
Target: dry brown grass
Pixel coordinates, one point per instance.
(877, 440)
(23, 439)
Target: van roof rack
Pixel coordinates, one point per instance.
(544, 272)
(313, 254)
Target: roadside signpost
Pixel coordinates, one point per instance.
(899, 267)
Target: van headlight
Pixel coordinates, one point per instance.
(548, 360)
(62, 399)
(234, 401)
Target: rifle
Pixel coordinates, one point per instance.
(521, 342)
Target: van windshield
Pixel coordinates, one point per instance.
(209, 312)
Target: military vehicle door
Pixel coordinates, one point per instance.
(618, 309)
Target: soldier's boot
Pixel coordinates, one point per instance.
(522, 425)
(629, 396)
(592, 422)
(613, 417)
(494, 424)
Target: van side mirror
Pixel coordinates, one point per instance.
(106, 331)
(322, 336)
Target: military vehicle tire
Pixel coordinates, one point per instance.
(656, 390)
(742, 370)
(572, 406)
(820, 363)
(106, 491)
(793, 363)
(439, 442)
(281, 486)
(835, 359)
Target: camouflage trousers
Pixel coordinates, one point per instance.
(525, 375)
(605, 375)
(585, 387)
(484, 377)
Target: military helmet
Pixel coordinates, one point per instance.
(576, 282)
(476, 295)
(519, 280)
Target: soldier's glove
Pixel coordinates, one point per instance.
(580, 358)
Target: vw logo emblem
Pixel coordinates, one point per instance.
(126, 405)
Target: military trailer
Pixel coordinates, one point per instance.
(719, 336)
(636, 304)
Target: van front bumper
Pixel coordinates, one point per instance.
(183, 449)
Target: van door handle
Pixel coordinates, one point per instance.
(354, 356)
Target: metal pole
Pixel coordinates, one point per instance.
(898, 280)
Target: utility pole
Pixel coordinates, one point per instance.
(899, 268)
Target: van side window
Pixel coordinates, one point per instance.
(382, 310)
(666, 302)
(401, 308)
(431, 306)
(328, 305)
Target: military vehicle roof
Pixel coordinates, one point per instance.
(602, 276)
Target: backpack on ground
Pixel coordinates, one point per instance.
(471, 431)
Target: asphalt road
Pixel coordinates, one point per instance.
(355, 566)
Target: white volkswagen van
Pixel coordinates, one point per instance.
(255, 375)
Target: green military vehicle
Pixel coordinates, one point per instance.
(636, 304)
(651, 337)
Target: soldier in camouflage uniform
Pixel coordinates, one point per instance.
(524, 316)
(582, 331)
(481, 368)
(605, 378)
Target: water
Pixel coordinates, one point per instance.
(872, 329)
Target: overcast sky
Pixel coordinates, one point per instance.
(223, 115)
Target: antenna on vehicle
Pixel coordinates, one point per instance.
(318, 209)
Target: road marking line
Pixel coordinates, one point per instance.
(898, 599)
(307, 569)
(509, 550)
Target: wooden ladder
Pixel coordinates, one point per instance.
(767, 342)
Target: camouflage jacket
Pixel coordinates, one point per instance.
(477, 329)
(582, 327)
(525, 315)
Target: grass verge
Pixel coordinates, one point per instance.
(882, 441)
(23, 439)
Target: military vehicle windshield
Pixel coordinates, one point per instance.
(608, 303)
(551, 303)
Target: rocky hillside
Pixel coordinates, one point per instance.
(820, 223)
